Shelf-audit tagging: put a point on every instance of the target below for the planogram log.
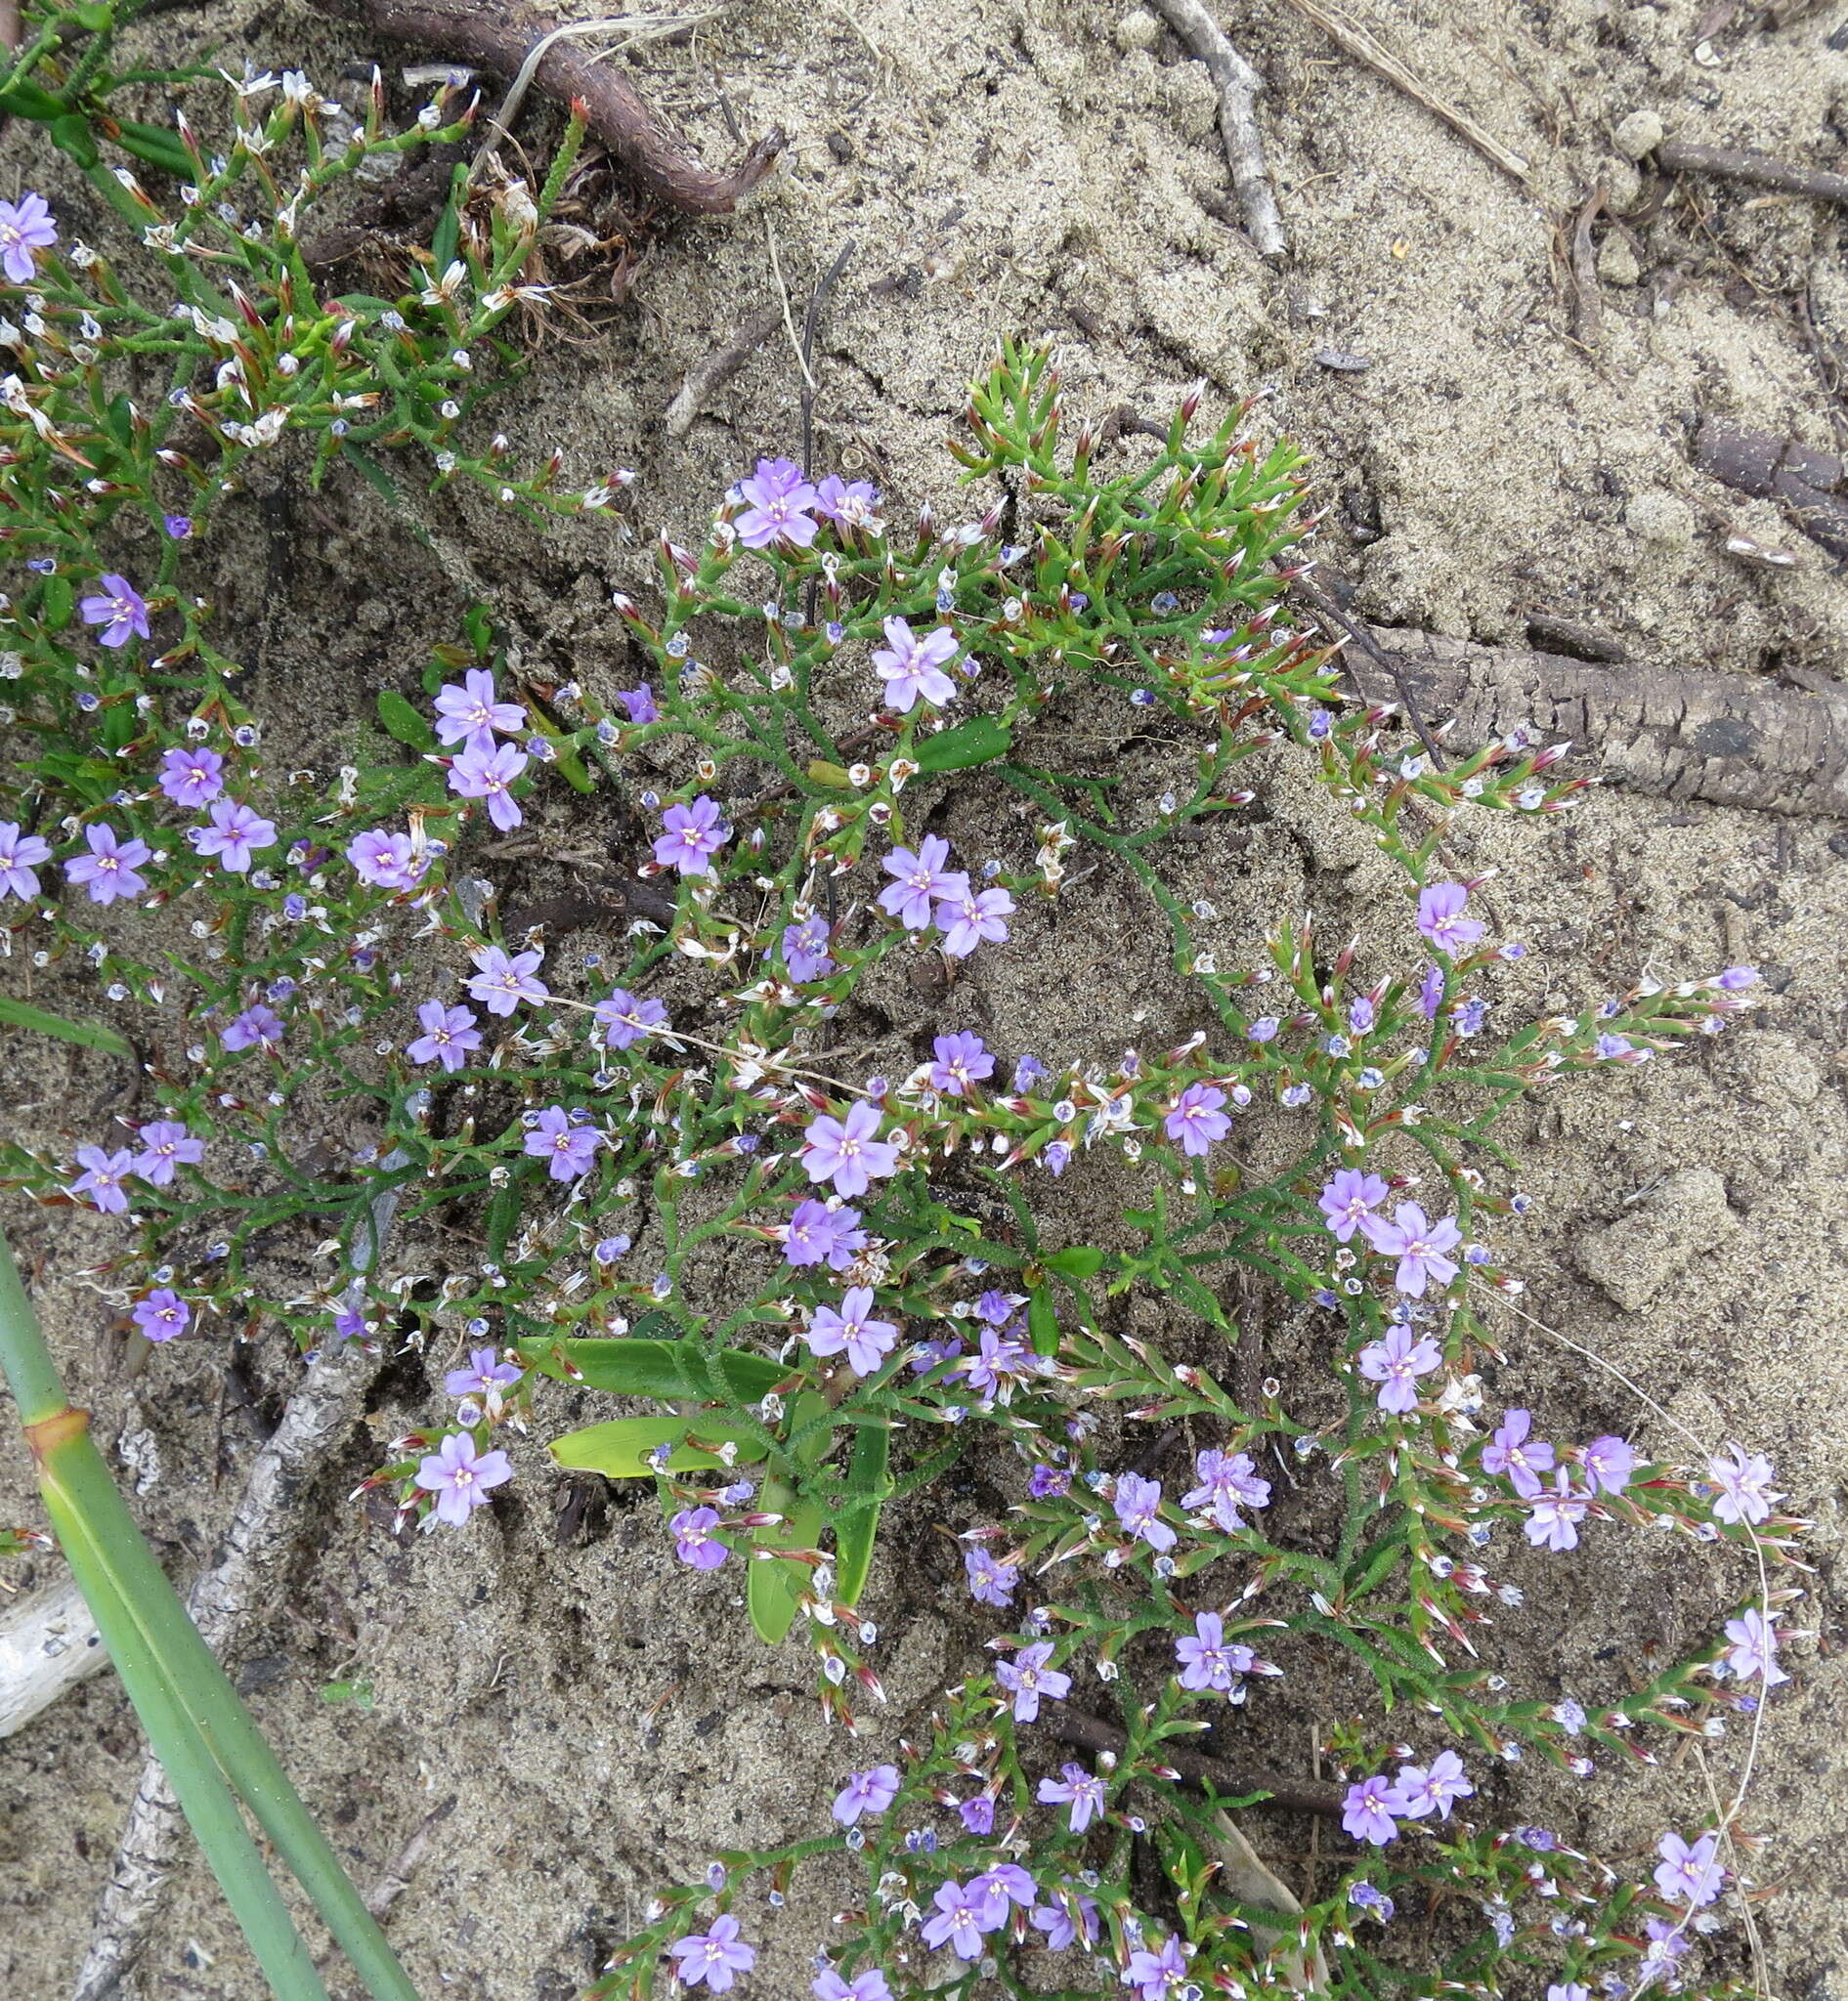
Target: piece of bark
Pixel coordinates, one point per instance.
(1677, 732)
(48, 1645)
(1753, 169)
(1802, 477)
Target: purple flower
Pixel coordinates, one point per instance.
(691, 837)
(1512, 1453)
(1363, 1896)
(1055, 1921)
(910, 667)
(1432, 1788)
(1753, 1654)
(978, 1814)
(991, 1581)
(1737, 978)
(1568, 1990)
(1367, 1810)
(867, 1986)
(1553, 1518)
(849, 1152)
(470, 714)
(920, 880)
(1431, 992)
(714, 1957)
(25, 225)
(108, 871)
(568, 1150)
(866, 1792)
(1155, 1975)
(20, 856)
(805, 948)
(121, 611)
(997, 1366)
(1204, 1659)
(962, 1062)
(235, 835)
(1440, 916)
(1744, 1484)
(1418, 1244)
(102, 1176)
(1361, 1014)
(1137, 1502)
(959, 1920)
(626, 1020)
(1396, 1363)
(256, 1024)
(816, 1234)
(179, 526)
(191, 777)
(866, 1342)
(1196, 1120)
(1057, 1157)
(966, 920)
(1350, 1199)
(486, 1375)
(693, 1539)
(449, 1035)
(1689, 1874)
(500, 983)
(165, 1145)
(999, 1886)
(1028, 1678)
(1228, 1481)
(776, 496)
(847, 503)
(485, 771)
(640, 703)
(1608, 1464)
(161, 1314)
(459, 1475)
(385, 860)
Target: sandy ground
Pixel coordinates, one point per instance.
(1002, 166)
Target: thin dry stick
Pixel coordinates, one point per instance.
(1755, 169)
(1332, 615)
(717, 369)
(1238, 85)
(1360, 45)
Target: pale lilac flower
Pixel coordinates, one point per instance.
(502, 982)
(847, 503)
(867, 1986)
(777, 496)
(468, 713)
(1431, 992)
(449, 1035)
(109, 870)
(849, 1152)
(235, 835)
(1205, 1660)
(121, 611)
(694, 1542)
(486, 1375)
(179, 526)
(1608, 1464)
(715, 1957)
(957, 1922)
(1737, 978)
(1363, 1896)
(1138, 1504)
(999, 1885)
(1689, 1874)
(459, 1475)
(385, 860)
(568, 1150)
(1196, 1121)
(865, 1341)
(1744, 1484)
(102, 1176)
(997, 1366)
(962, 1062)
(25, 225)
(1057, 1158)
(1434, 1788)
(1753, 1654)
(1361, 1014)
(1156, 1975)
(256, 1024)
(691, 836)
(1228, 1481)
(1419, 1244)
(991, 1581)
(970, 920)
(640, 703)
(165, 1145)
(1396, 1363)
(1055, 1921)
(816, 1234)
(910, 667)
(20, 855)
(978, 1814)
(626, 1020)
(1028, 1678)
(1553, 1518)
(1521, 1458)
(1568, 1990)
(192, 777)
(1440, 916)
(1367, 1810)
(1349, 1199)
(161, 1315)
(805, 948)
(921, 880)
(485, 772)
(866, 1792)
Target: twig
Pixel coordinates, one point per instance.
(811, 319)
(499, 37)
(1091, 1733)
(717, 369)
(395, 1880)
(1238, 85)
(48, 1645)
(783, 295)
(1754, 169)
(260, 1539)
(1588, 318)
(1770, 468)
(1360, 45)
(1331, 614)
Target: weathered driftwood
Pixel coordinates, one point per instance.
(1805, 479)
(1678, 732)
(48, 1645)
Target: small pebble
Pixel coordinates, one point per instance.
(1137, 29)
(1616, 262)
(1641, 133)
(1659, 516)
(1343, 363)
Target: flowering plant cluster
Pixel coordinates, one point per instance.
(602, 1123)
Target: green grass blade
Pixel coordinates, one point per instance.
(88, 1035)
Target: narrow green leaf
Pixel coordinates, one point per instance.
(1042, 1322)
(56, 604)
(979, 740)
(618, 1450)
(772, 1588)
(397, 718)
(856, 1533)
(88, 1035)
(448, 228)
(1079, 1260)
(647, 1368)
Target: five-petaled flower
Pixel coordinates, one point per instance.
(1419, 1244)
(847, 503)
(121, 611)
(1433, 1788)
(1366, 1811)
(20, 855)
(109, 870)
(715, 1957)
(235, 835)
(102, 1176)
(449, 1035)
(819, 1234)
(694, 1540)
(1157, 1976)
(912, 667)
(165, 1145)
(849, 1152)
(805, 948)
(25, 225)
(1204, 1658)
(192, 777)
(970, 920)
(625, 1020)
(1349, 1197)
(486, 1376)
(161, 1314)
(865, 1341)
(256, 1024)
(1608, 1463)
(459, 1475)
(1228, 1481)
(921, 880)
(1523, 1459)
(1395, 1362)
(468, 713)
(871, 1986)
(1195, 1118)
(1753, 1653)
(1027, 1678)
(1689, 1874)
(777, 501)
(991, 1581)
(501, 981)
(1440, 916)
(1745, 1483)
(962, 1062)
(866, 1792)
(484, 771)
(1137, 1504)
(387, 861)
(691, 836)
(959, 1922)
(1553, 1517)
(568, 1150)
